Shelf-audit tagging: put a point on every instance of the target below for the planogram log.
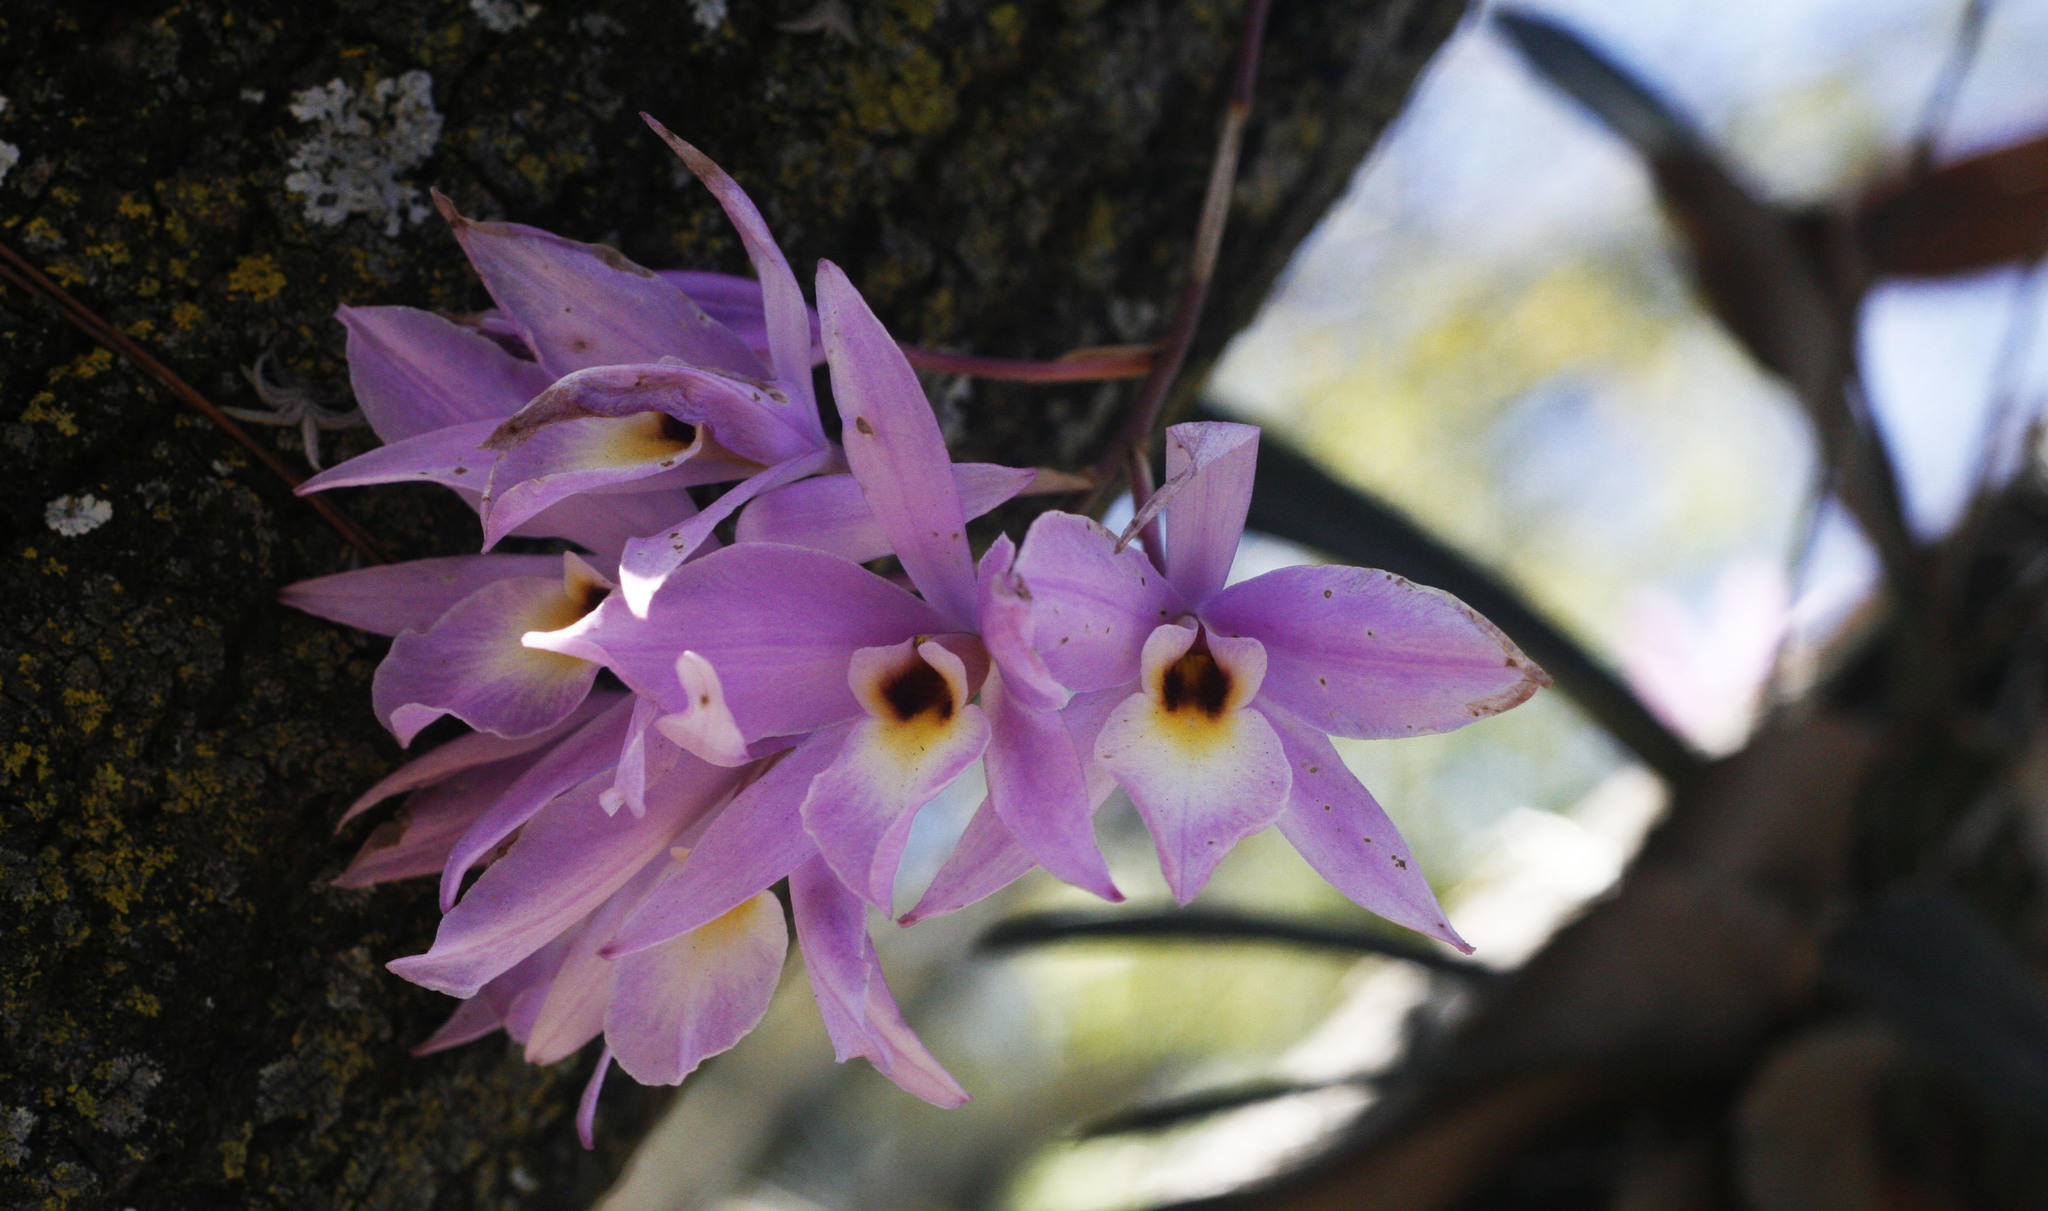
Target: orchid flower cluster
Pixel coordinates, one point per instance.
(776, 709)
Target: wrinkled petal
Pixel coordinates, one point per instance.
(758, 838)
(453, 457)
(854, 1000)
(646, 562)
(749, 418)
(777, 623)
(986, 860)
(470, 751)
(646, 755)
(1363, 653)
(1009, 629)
(567, 860)
(578, 757)
(693, 996)
(471, 663)
(894, 448)
(1204, 770)
(1092, 606)
(1037, 786)
(830, 512)
(598, 455)
(1333, 821)
(1209, 468)
(603, 525)
(391, 598)
(918, 736)
(580, 305)
(415, 372)
(785, 318)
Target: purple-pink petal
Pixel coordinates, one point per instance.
(1037, 784)
(580, 305)
(777, 623)
(453, 457)
(756, 839)
(469, 751)
(854, 1000)
(894, 448)
(1363, 653)
(1092, 605)
(695, 995)
(986, 860)
(415, 372)
(1336, 825)
(736, 302)
(417, 840)
(581, 755)
(749, 418)
(785, 318)
(1209, 470)
(567, 860)
(471, 664)
(391, 598)
(647, 562)
(830, 512)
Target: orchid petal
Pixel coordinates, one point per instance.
(580, 305)
(391, 598)
(415, 372)
(469, 751)
(567, 860)
(831, 513)
(1362, 653)
(749, 418)
(1209, 468)
(853, 998)
(986, 860)
(756, 839)
(777, 623)
(695, 995)
(1037, 786)
(586, 1106)
(705, 725)
(894, 448)
(646, 755)
(598, 455)
(453, 457)
(471, 664)
(1333, 821)
(583, 754)
(919, 735)
(1008, 628)
(646, 562)
(604, 524)
(784, 316)
(1203, 769)
(737, 303)
(472, 1020)
(1092, 605)
(417, 840)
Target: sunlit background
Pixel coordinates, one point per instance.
(1495, 332)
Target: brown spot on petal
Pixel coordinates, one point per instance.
(861, 423)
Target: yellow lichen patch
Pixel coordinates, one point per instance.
(87, 365)
(256, 276)
(186, 315)
(132, 207)
(43, 406)
(87, 707)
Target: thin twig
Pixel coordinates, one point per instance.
(19, 273)
(1941, 101)
(1080, 366)
(1133, 444)
(1038, 929)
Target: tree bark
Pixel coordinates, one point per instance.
(190, 1016)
